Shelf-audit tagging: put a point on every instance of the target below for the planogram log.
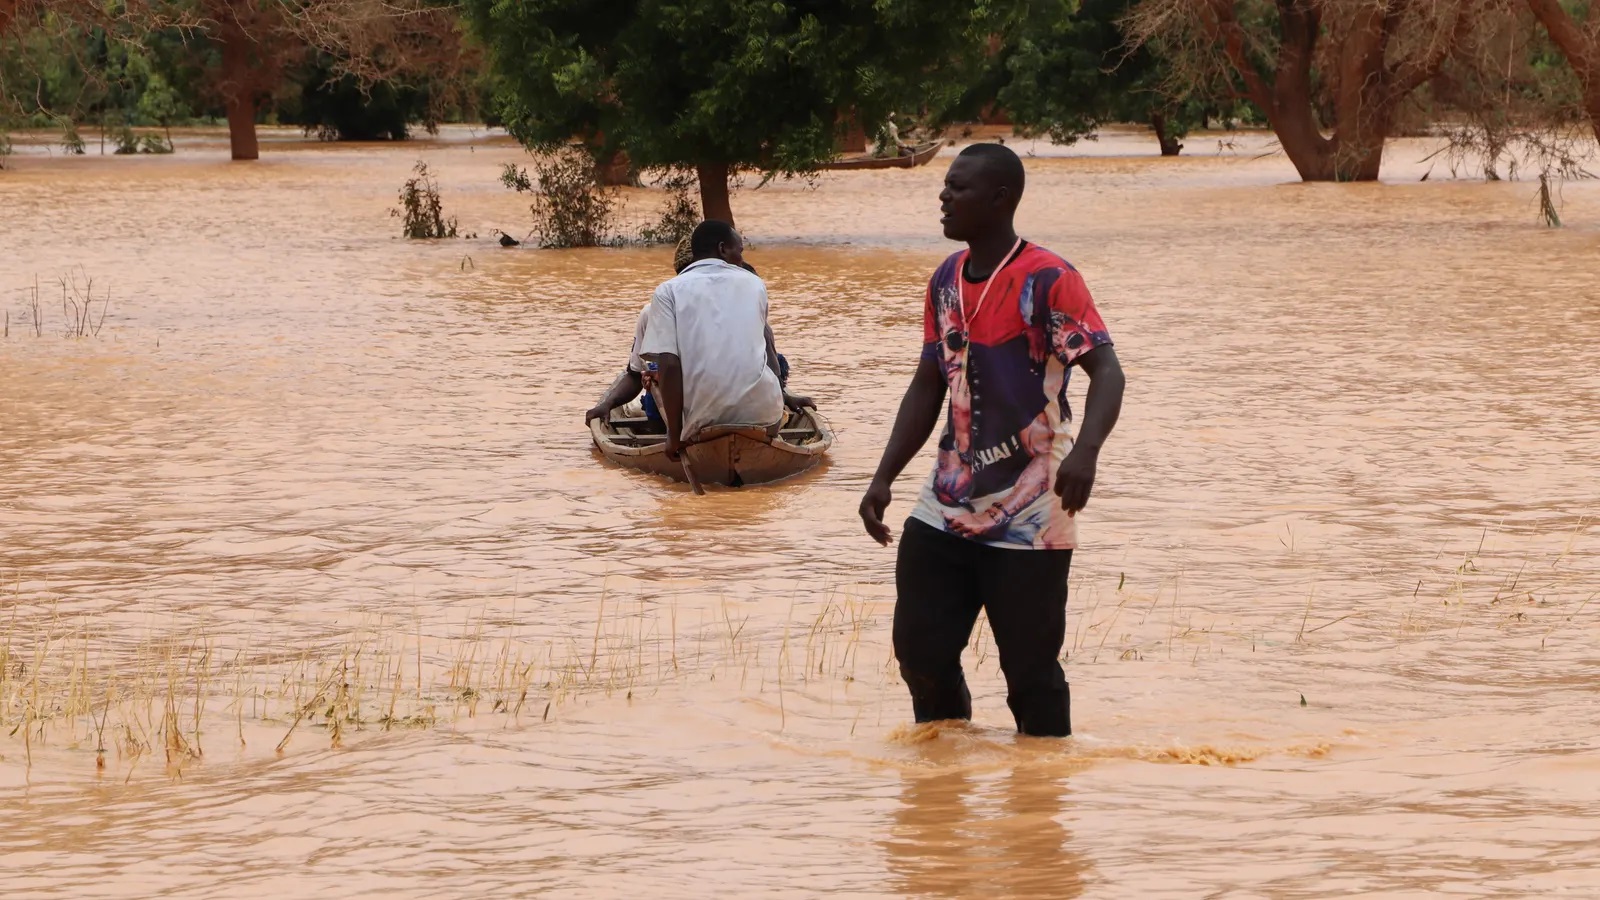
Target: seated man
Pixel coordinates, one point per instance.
(638, 377)
(631, 382)
(708, 333)
(889, 143)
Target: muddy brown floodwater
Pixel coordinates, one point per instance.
(312, 584)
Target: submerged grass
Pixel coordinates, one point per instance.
(77, 685)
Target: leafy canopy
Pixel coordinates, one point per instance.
(753, 83)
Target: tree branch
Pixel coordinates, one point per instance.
(1408, 75)
(1221, 22)
(1581, 50)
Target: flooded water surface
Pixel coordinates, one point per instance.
(313, 583)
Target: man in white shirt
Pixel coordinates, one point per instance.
(637, 378)
(708, 335)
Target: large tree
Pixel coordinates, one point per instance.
(1331, 76)
(724, 85)
(249, 47)
(1079, 72)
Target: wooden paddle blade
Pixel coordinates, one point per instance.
(688, 472)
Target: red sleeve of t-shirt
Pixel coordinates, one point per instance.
(1075, 324)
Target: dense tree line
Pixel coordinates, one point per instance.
(777, 88)
(357, 69)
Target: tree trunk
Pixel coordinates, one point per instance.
(1365, 90)
(1302, 141)
(1343, 157)
(1591, 105)
(1292, 113)
(617, 170)
(238, 92)
(852, 136)
(714, 203)
(242, 128)
(992, 114)
(1170, 145)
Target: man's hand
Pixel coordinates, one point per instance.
(977, 525)
(873, 505)
(797, 401)
(596, 412)
(674, 448)
(1075, 478)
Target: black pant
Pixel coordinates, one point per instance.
(941, 582)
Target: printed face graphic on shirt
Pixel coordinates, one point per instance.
(1008, 411)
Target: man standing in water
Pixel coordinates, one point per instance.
(1004, 322)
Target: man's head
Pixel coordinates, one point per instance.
(714, 239)
(682, 256)
(981, 191)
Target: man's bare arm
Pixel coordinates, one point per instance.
(919, 413)
(1101, 408)
(625, 388)
(671, 369)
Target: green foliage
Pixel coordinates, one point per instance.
(127, 142)
(1077, 73)
(742, 83)
(340, 108)
(159, 104)
(421, 210)
(64, 71)
(54, 69)
(571, 208)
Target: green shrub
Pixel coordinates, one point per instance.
(571, 208)
(421, 209)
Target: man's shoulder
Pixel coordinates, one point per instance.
(1035, 258)
(707, 270)
(947, 269)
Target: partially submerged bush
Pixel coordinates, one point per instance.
(421, 209)
(128, 143)
(679, 214)
(571, 208)
(72, 141)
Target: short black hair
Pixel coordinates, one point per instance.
(708, 235)
(749, 268)
(1001, 163)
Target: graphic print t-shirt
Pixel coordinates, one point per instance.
(1009, 425)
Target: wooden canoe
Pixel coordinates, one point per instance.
(728, 455)
(919, 155)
